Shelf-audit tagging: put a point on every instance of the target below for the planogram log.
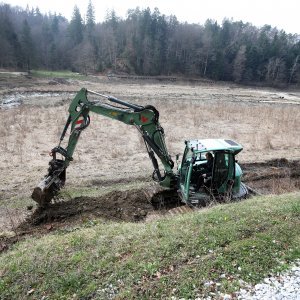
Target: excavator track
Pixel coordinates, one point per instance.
(165, 202)
(162, 198)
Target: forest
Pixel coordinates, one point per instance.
(148, 43)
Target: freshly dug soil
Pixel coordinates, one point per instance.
(129, 206)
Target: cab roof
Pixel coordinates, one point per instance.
(204, 145)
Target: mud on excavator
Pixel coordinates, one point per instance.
(224, 181)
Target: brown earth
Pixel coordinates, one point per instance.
(112, 156)
(271, 177)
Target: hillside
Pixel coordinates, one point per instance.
(148, 43)
(230, 245)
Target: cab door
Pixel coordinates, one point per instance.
(223, 170)
(185, 175)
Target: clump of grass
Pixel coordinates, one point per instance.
(178, 256)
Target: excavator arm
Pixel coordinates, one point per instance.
(144, 118)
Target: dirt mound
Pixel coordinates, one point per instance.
(130, 206)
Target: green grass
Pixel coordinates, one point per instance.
(60, 74)
(175, 256)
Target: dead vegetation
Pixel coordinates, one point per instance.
(110, 151)
(108, 148)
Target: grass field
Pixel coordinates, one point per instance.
(60, 74)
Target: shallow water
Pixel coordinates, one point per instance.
(34, 98)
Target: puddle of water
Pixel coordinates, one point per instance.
(11, 101)
(34, 98)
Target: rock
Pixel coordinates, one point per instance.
(30, 292)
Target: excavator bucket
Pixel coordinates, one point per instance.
(41, 195)
(49, 187)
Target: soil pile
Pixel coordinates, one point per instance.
(130, 206)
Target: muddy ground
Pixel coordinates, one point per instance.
(111, 156)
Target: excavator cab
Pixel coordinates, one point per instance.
(224, 182)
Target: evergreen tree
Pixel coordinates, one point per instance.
(76, 27)
(148, 43)
(90, 19)
(55, 25)
(10, 53)
(27, 46)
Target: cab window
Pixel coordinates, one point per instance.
(223, 168)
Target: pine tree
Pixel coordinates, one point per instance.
(10, 54)
(76, 27)
(55, 25)
(90, 19)
(27, 45)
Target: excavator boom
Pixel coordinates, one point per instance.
(144, 118)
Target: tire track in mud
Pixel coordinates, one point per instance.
(276, 176)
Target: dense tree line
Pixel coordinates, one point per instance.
(147, 43)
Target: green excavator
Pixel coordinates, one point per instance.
(223, 183)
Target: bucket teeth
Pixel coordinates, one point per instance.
(51, 184)
(43, 194)
(41, 197)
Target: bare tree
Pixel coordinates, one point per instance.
(275, 70)
(85, 58)
(294, 68)
(239, 64)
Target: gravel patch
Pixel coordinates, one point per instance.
(284, 286)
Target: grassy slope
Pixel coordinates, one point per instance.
(227, 244)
